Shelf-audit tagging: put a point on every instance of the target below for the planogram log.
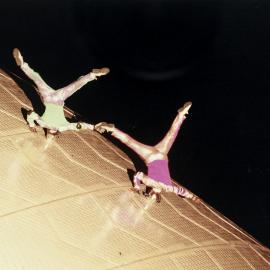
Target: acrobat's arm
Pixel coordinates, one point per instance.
(31, 118)
(187, 194)
(77, 126)
(177, 189)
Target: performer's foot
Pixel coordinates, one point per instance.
(100, 71)
(18, 57)
(184, 109)
(103, 126)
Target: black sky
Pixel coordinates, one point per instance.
(162, 53)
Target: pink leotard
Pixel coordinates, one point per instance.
(159, 170)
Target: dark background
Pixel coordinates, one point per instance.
(162, 53)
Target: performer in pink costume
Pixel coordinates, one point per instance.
(156, 158)
(53, 119)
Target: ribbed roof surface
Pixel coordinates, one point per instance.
(64, 204)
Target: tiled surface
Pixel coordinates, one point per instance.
(65, 204)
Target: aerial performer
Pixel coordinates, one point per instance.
(53, 118)
(156, 158)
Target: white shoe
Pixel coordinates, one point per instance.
(18, 57)
(100, 71)
(184, 109)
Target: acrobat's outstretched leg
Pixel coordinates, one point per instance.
(42, 87)
(166, 143)
(144, 151)
(60, 95)
(67, 91)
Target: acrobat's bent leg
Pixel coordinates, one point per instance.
(31, 118)
(142, 150)
(166, 143)
(67, 91)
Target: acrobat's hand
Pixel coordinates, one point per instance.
(32, 129)
(193, 197)
(196, 199)
(97, 72)
(103, 126)
(155, 196)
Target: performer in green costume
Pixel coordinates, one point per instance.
(53, 119)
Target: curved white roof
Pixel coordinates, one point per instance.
(64, 204)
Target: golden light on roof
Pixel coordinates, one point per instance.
(64, 204)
